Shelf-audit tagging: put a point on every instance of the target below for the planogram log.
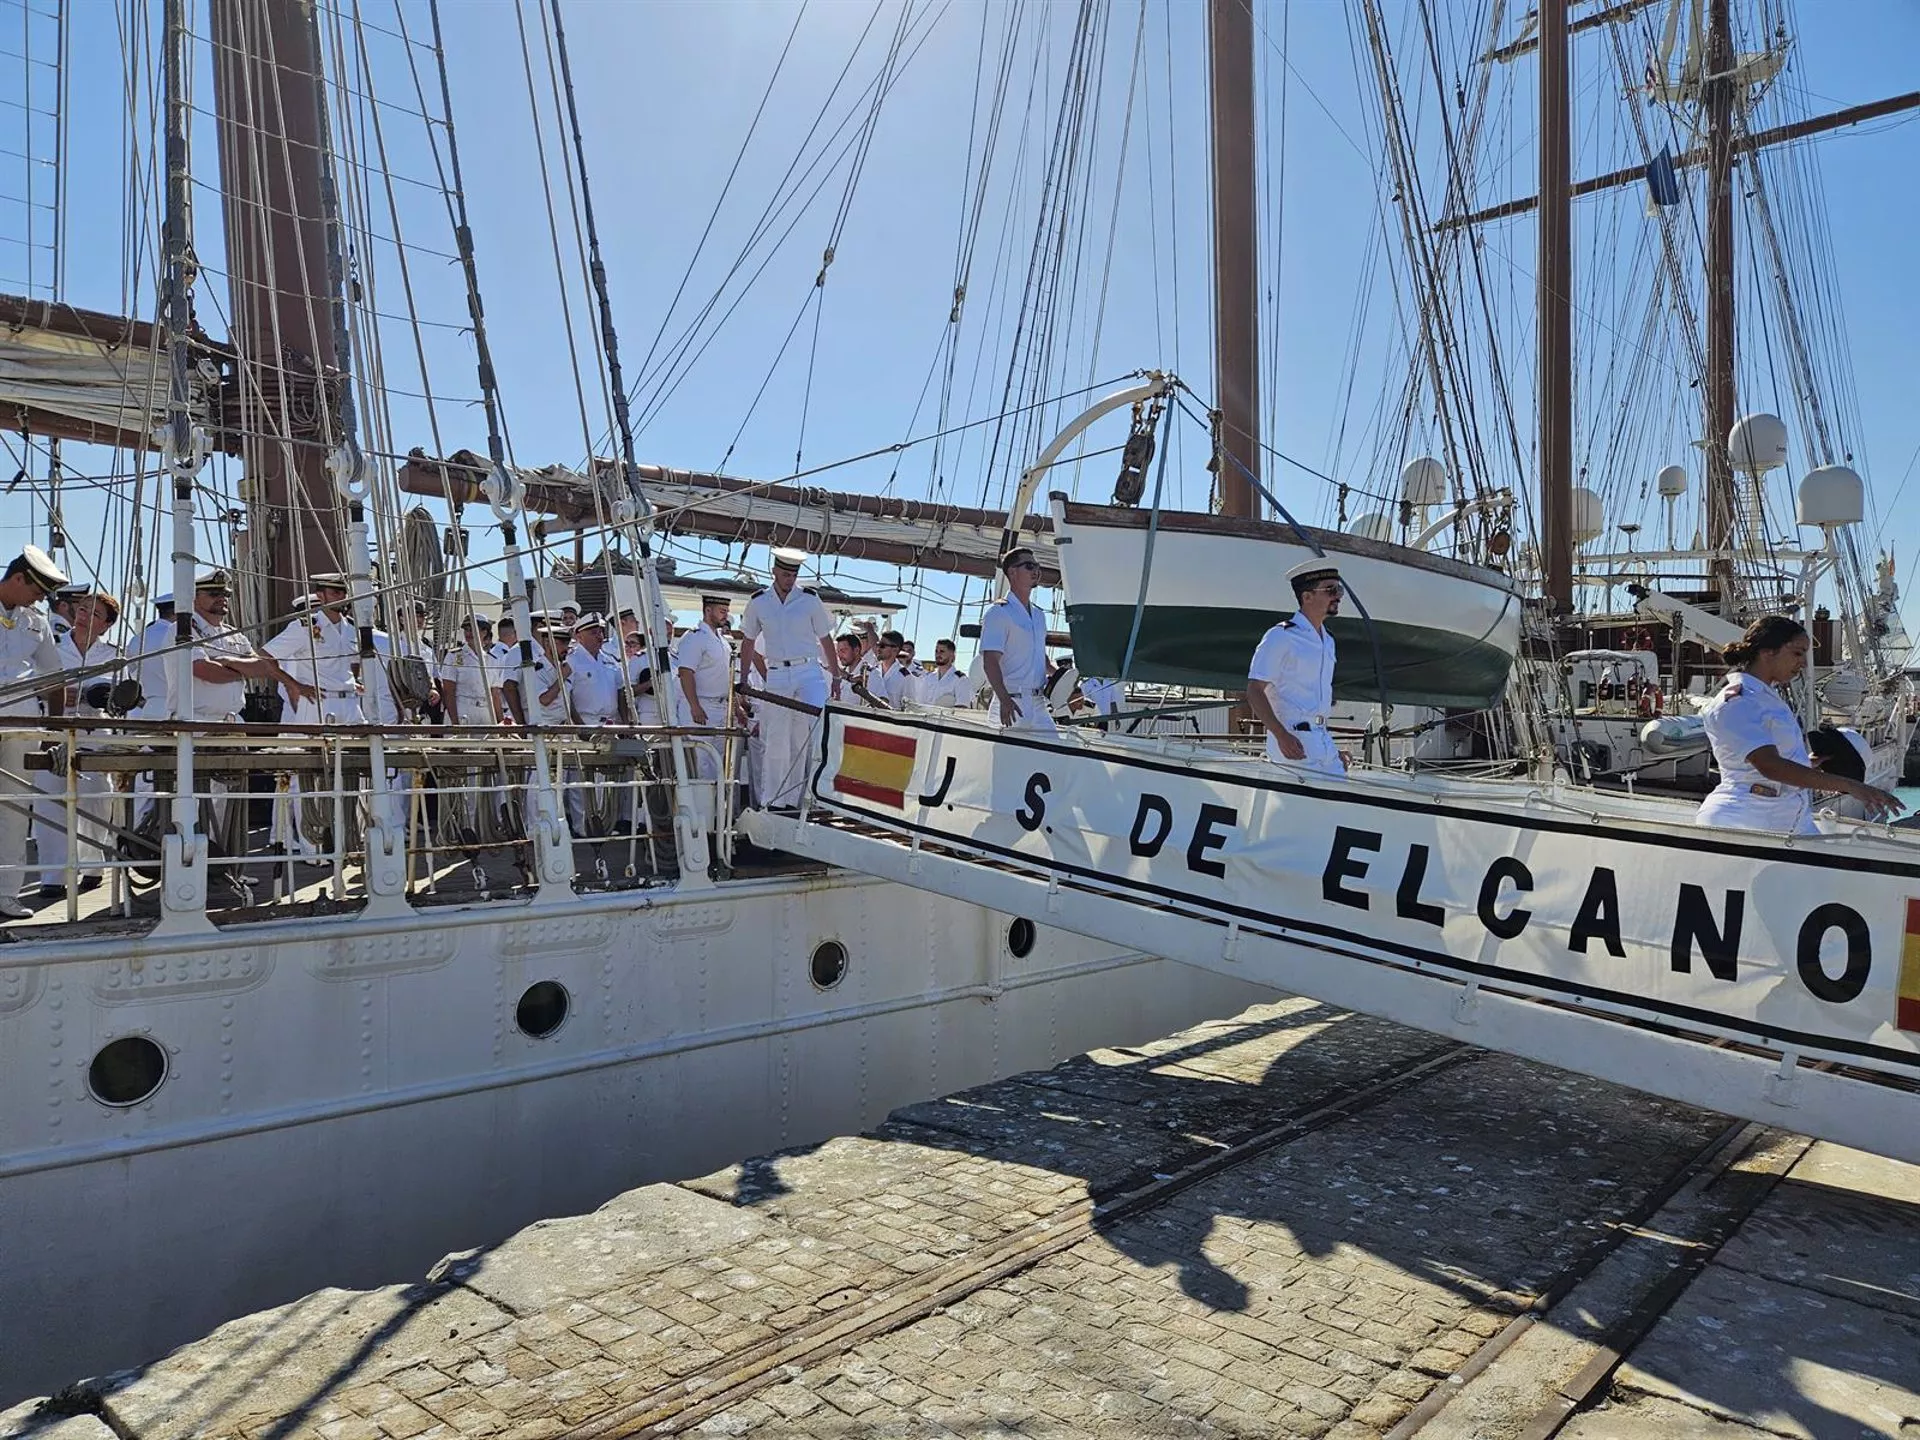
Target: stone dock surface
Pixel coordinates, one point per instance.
(1296, 1222)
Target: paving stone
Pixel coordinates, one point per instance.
(1842, 1224)
(1782, 1358)
(292, 1361)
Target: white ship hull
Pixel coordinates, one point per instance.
(347, 1100)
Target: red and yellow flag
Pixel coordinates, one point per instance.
(877, 765)
(1906, 1012)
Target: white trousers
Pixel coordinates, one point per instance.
(92, 808)
(790, 738)
(1736, 807)
(328, 710)
(13, 816)
(1322, 754)
(1035, 718)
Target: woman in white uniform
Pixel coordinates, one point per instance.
(1766, 780)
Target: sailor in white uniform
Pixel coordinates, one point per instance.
(1766, 779)
(472, 680)
(85, 649)
(788, 650)
(152, 661)
(702, 666)
(1290, 680)
(1013, 648)
(946, 685)
(322, 649)
(27, 654)
(891, 680)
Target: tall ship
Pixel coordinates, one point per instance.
(338, 977)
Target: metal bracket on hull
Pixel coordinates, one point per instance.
(183, 888)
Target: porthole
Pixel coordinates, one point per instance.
(127, 1071)
(1020, 938)
(542, 1009)
(829, 964)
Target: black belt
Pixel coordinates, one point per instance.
(1304, 725)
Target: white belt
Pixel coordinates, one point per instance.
(593, 717)
(1306, 722)
(784, 664)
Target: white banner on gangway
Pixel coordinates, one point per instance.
(1813, 947)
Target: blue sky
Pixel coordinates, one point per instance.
(668, 92)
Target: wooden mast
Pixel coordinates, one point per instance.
(266, 90)
(1554, 279)
(1236, 270)
(1718, 97)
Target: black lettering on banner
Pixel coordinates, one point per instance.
(1407, 904)
(1500, 872)
(1341, 865)
(1693, 924)
(1208, 835)
(1034, 811)
(946, 780)
(1813, 930)
(1599, 916)
(1150, 804)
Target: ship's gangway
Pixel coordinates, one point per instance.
(1775, 978)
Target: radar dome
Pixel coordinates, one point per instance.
(1832, 495)
(1589, 516)
(1424, 482)
(1375, 526)
(1672, 481)
(1757, 444)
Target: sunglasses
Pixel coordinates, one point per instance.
(1332, 591)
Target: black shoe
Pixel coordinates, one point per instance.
(53, 892)
(91, 882)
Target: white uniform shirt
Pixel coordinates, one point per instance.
(27, 650)
(708, 656)
(1018, 634)
(152, 662)
(319, 652)
(789, 629)
(101, 652)
(1744, 717)
(646, 707)
(546, 675)
(891, 683)
(952, 690)
(594, 682)
(1296, 660)
(219, 700)
(379, 705)
(472, 678)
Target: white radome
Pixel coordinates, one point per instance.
(1671, 481)
(1373, 526)
(1833, 495)
(1757, 443)
(1589, 515)
(1423, 482)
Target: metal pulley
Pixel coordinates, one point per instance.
(504, 492)
(1137, 455)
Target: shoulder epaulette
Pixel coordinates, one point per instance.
(758, 593)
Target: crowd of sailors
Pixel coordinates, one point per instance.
(585, 670)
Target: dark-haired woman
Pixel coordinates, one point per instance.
(1766, 780)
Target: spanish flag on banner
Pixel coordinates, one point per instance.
(878, 764)
(1906, 1012)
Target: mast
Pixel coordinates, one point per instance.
(1718, 84)
(1236, 276)
(1554, 279)
(267, 96)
